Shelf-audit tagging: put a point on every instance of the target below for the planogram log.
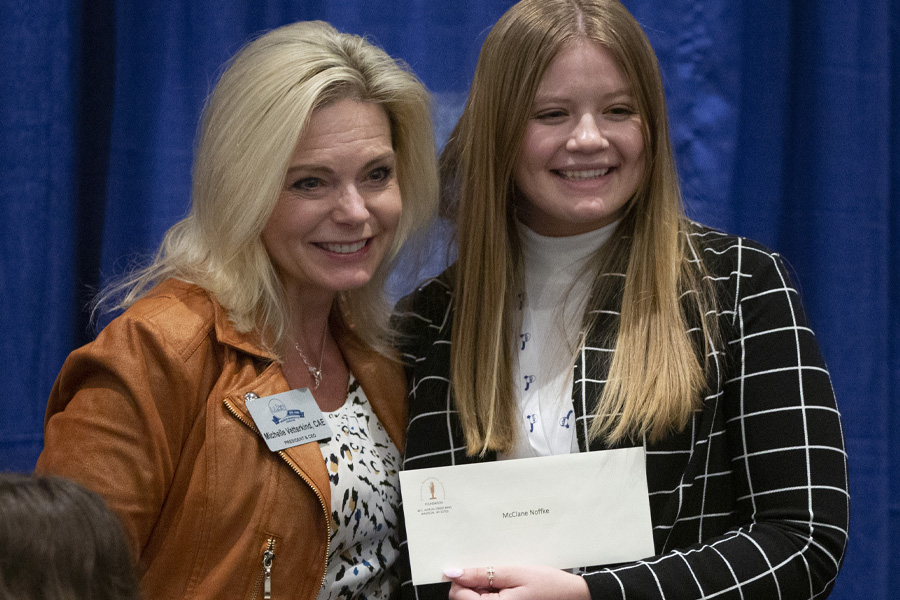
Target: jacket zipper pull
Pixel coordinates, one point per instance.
(268, 556)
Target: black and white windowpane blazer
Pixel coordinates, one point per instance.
(750, 500)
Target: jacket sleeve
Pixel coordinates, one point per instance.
(787, 457)
(421, 320)
(118, 416)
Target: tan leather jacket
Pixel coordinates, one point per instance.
(152, 416)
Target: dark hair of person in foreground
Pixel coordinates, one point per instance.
(59, 540)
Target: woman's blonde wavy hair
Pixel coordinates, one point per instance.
(248, 132)
(657, 375)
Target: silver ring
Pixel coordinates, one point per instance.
(490, 572)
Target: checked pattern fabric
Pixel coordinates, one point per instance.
(750, 500)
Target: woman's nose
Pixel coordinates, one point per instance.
(351, 207)
(587, 136)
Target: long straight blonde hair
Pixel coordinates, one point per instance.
(657, 375)
(248, 132)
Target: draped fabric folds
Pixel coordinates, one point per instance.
(784, 116)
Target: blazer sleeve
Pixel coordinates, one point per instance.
(422, 320)
(118, 416)
(787, 458)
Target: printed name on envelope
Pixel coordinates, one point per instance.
(289, 419)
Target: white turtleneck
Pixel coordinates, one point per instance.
(552, 306)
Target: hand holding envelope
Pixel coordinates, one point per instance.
(527, 582)
(560, 511)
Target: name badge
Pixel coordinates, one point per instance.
(289, 419)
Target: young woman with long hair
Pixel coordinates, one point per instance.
(585, 312)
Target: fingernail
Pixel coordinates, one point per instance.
(453, 573)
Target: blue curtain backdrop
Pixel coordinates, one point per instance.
(784, 113)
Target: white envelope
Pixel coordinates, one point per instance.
(562, 511)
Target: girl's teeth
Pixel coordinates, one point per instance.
(343, 248)
(584, 174)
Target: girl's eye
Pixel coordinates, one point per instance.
(550, 114)
(622, 111)
(307, 184)
(380, 174)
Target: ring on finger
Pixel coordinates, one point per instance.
(490, 574)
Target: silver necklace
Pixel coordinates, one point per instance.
(316, 372)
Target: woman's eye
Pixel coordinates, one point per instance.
(550, 114)
(307, 184)
(621, 111)
(380, 174)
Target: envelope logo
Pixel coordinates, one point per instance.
(432, 489)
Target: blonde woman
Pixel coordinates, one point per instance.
(315, 161)
(586, 312)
